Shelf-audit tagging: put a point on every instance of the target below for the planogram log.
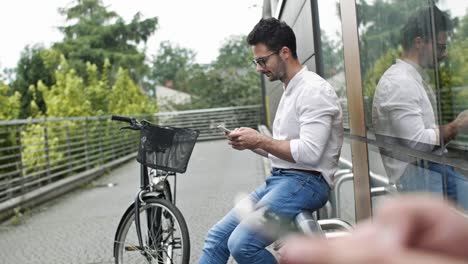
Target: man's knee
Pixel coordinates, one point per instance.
(240, 248)
(215, 236)
(245, 243)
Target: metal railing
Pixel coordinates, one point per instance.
(37, 152)
(207, 120)
(380, 185)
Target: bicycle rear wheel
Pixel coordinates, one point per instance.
(165, 237)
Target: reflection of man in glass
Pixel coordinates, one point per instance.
(404, 110)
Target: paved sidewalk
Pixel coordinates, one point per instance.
(80, 227)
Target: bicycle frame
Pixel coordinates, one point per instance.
(144, 182)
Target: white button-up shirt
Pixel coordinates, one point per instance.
(403, 112)
(309, 116)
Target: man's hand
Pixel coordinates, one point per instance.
(462, 121)
(244, 138)
(413, 229)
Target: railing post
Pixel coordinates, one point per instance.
(100, 141)
(86, 144)
(69, 159)
(46, 149)
(20, 160)
(112, 139)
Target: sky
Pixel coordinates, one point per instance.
(201, 25)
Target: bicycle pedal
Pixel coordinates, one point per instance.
(132, 248)
(176, 243)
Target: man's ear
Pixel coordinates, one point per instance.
(418, 43)
(285, 52)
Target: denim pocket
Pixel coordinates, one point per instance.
(296, 184)
(318, 191)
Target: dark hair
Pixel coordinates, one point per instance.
(274, 34)
(420, 25)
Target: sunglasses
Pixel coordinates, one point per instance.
(441, 47)
(263, 60)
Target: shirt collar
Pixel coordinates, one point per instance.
(294, 81)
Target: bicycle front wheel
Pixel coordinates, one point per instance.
(164, 234)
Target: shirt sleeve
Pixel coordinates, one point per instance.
(316, 109)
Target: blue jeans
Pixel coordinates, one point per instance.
(285, 193)
(431, 178)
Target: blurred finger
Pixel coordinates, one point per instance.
(425, 222)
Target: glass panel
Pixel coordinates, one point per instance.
(414, 73)
(453, 97)
(332, 67)
(332, 59)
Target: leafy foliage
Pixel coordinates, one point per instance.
(126, 98)
(29, 70)
(332, 56)
(380, 25)
(228, 81)
(72, 96)
(65, 98)
(171, 61)
(9, 102)
(97, 34)
(235, 53)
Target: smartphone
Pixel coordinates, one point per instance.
(224, 129)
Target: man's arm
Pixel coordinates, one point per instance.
(315, 121)
(277, 148)
(248, 138)
(450, 130)
(260, 152)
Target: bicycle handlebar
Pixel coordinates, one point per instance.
(134, 124)
(122, 119)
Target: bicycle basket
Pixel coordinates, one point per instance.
(166, 148)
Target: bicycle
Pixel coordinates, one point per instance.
(152, 229)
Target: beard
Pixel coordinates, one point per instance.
(428, 61)
(272, 76)
(278, 73)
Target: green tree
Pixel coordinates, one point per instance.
(126, 98)
(463, 29)
(380, 66)
(380, 25)
(72, 96)
(96, 34)
(10, 102)
(332, 56)
(170, 64)
(98, 89)
(235, 53)
(65, 97)
(29, 70)
(235, 80)
(231, 80)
